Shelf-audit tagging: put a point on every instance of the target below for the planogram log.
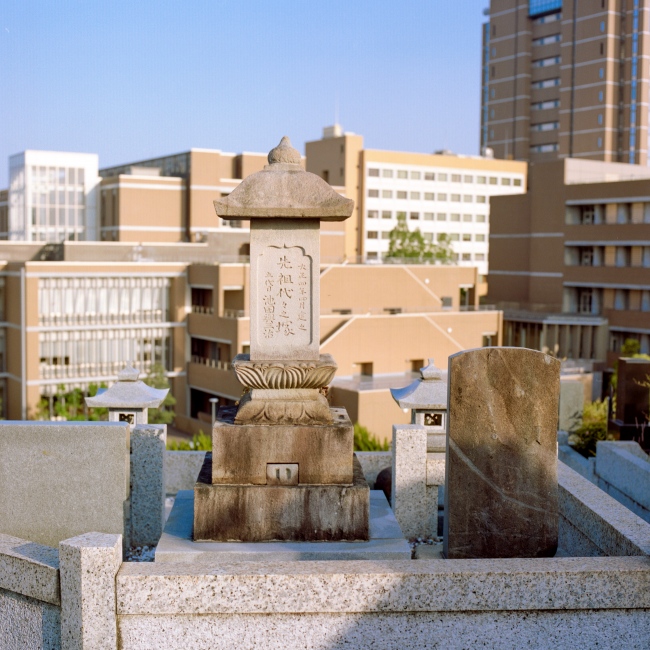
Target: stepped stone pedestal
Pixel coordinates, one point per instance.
(282, 466)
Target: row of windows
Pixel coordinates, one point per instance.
(57, 175)
(545, 126)
(540, 106)
(546, 40)
(549, 60)
(544, 148)
(427, 196)
(444, 177)
(613, 213)
(454, 236)
(60, 197)
(427, 216)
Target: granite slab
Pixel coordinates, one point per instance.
(176, 544)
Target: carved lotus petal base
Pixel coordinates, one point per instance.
(284, 374)
(283, 407)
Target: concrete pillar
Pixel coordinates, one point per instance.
(147, 509)
(88, 565)
(409, 499)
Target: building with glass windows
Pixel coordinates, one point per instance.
(571, 267)
(566, 79)
(441, 194)
(52, 197)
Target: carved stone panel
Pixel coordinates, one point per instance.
(284, 290)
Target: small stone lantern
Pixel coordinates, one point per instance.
(427, 399)
(128, 399)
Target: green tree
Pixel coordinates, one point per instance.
(630, 349)
(593, 428)
(71, 405)
(157, 378)
(411, 244)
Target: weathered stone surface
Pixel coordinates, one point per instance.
(147, 511)
(26, 623)
(89, 564)
(501, 494)
(284, 374)
(284, 189)
(386, 541)
(572, 400)
(240, 452)
(60, 479)
(302, 406)
(182, 469)
(258, 513)
(285, 289)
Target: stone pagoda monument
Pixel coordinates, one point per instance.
(282, 466)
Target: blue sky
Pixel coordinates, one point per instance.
(132, 80)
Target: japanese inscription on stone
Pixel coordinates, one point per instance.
(284, 276)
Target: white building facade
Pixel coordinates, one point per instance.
(52, 197)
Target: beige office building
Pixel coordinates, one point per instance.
(437, 193)
(76, 322)
(563, 78)
(570, 266)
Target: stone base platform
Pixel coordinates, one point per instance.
(176, 545)
(280, 512)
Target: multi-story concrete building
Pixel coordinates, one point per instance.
(437, 193)
(563, 78)
(571, 266)
(77, 321)
(52, 197)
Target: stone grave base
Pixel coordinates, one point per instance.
(259, 513)
(176, 544)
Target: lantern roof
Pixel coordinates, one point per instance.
(128, 393)
(429, 392)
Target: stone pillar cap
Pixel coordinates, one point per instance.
(427, 393)
(284, 190)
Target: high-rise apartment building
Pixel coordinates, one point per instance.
(566, 79)
(51, 197)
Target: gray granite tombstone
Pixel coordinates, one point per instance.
(501, 497)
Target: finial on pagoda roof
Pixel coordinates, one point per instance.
(128, 373)
(284, 153)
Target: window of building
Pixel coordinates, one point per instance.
(506, 181)
(479, 237)
(385, 235)
(601, 73)
(468, 179)
(455, 217)
(387, 194)
(414, 215)
(585, 301)
(442, 197)
(600, 96)
(402, 173)
(545, 126)
(467, 237)
(467, 257)
(547, 61)
(544, 148)
(373, 172)
(387, 173)
(372, 255)
(400, 215)
(492, 93)
(481, 218)
(415, 196)
(479, 257)
(602, 26)
(455, 178)
(455, 197)
(621, 299)
(551, 103)
(401, 195)
(429, 196)
(600, 143)
(373, 194)
(442, 177)
(481, 180)
(454, 236)
(516, 182)
(467, 217)
(545, 40)
(493, 180)
(429, 176)
(372, 234)
(428, 216)
(373, 214)
(546, 83)
(587, 214)
(428, 236)
(441, 216)
(415, 176)
(480, 199)
(468, 198)
(386, 214)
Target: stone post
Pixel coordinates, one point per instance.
(147, 511)
(88, 566)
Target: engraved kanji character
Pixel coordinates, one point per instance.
(285, 263)
(285, 292)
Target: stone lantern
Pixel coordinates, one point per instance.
(128, 399)
(426, 397)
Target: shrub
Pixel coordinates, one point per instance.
(200, 442)
(366, 441)
(593, 428)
